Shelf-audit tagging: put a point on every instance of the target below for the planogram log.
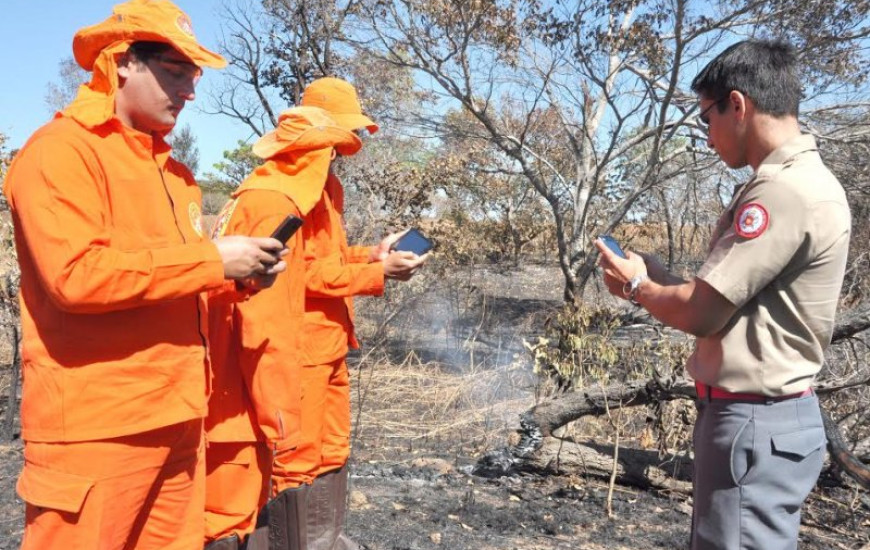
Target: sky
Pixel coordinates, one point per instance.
(36, 35)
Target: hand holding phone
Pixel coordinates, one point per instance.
(413, 241)
(287, 228)
(613, 245)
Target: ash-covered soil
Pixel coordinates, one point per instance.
(428, 502)
(11, 507)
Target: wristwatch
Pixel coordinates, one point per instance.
(629, 289)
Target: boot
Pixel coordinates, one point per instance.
(226, 543)
(282, 522)
(327, 506)
(258, 539)
(344, 542)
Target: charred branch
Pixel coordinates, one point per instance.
(535, 447)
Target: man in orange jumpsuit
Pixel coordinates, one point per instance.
(255, 405)
(113, 264)
(311, 480)
(265, 341)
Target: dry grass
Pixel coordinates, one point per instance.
(400, 406)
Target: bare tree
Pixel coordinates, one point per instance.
(70, 76)
(274, 50)
(586, 103)
(184, 148)
(615, 72)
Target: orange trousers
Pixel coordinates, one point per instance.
(325, 419)
(143, 491)
(238, 473)
(237, 487)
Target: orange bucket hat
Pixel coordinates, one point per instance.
(339, 99)
(306, 129)
(143, 21)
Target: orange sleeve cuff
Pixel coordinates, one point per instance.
(330, 278)
(359, 254)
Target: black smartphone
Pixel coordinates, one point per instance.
(613, 245)
(413, 241)
(287, 228)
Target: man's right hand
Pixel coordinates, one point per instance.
(245, 257)
(401, 265)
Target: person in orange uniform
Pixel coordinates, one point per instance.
(255, 406)
(113, 267)
(310, 481)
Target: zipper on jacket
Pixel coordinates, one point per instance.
(183, 240)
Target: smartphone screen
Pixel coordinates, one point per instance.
(287, 228)
(413, 241)
(613, 245)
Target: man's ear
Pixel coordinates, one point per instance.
(125, 65)
(740, 103)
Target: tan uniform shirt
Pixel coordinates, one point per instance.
(778, 254)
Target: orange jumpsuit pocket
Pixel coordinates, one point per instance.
(237, 474)
(39, 486)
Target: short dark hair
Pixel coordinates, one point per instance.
(143, 51)
(765, 71)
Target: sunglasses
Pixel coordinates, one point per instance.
(704, 116)
(179, 69)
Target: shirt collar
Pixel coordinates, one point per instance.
(791, 148)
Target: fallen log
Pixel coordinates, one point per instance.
(536, 448)
(852, 322)
(840, 454)
(635, 467)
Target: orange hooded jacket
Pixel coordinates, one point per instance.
(108, 230)
(109, 239)
(256, 343)
(334, 273)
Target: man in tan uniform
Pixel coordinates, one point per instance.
(762, 305)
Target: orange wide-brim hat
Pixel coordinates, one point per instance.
(144, 21)
(306, 129)
(339, 99)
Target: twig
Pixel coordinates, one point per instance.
(613, 471)
(12, 397)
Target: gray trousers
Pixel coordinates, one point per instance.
(755, 464)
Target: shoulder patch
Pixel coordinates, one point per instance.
(223, 219)
(195, 215)
(751, 220)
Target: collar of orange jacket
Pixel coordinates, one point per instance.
(300, 175)
(95, 102)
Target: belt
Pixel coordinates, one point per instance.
(712, 393)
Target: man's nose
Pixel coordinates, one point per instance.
(188, 91)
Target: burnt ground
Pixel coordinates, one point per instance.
(422, 424)
(428, 503)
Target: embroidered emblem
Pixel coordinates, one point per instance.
(184, 25)
(223, 219)
(195, 215)
(752, 220)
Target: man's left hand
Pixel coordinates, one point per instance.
(380, 252)
(618, 271)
